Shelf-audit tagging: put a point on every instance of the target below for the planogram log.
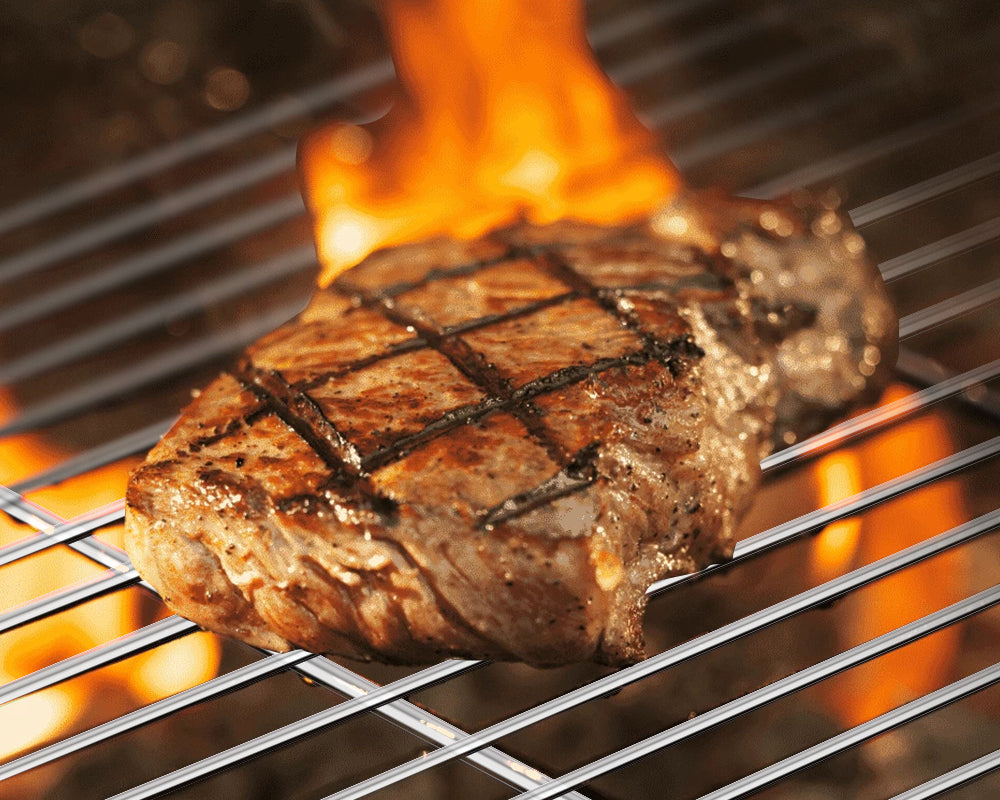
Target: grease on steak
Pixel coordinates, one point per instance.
(491, 449)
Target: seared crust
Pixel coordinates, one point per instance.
(492, 449)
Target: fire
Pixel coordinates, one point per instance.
(502, 114)
(895, 678)
(37, 718)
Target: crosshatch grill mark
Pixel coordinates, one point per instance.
(301, 413)
(576, 471)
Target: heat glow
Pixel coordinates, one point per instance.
(35, 719)
(921, 667)
(502, 114)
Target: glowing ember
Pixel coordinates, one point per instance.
(503, 114)
(895, 678)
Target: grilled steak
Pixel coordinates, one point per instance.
(491, 449)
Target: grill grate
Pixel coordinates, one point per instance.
(801, 117)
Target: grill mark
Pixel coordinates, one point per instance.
(577, 475)
(483, 374)
(368, 299)
(516, 313)
(301, 413)
(671, 353)
(478, 411)
(408, 346)
(418, 343)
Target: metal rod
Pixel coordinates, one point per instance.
(860, 733)
(153, 635)
(925, 371)
(871, 151)
(62, 533)
(961, 242)
(210, 690)
(677, 108)
(328, 93)
(882, 416)
(855, 504)
(950, 309)
(753, 623)
(130, 443)
(30, 513)
(960, 776)
(932, 188)
(271, 115)
(120, 328)
(146, 215)
(178, 359)
(209, 238)
(66, 598)
(321, 670)
(779, 689)
(807, 522)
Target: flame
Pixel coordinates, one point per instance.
(921, 667)
(41, 717)
(502, 114)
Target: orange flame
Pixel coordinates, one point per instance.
(502, 114)
(897, 677)
(52, 713)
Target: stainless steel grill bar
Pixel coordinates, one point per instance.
(125, 445)
(143, 216)
(950, 309)
(210, 690)
(711, 146)
(671, 110)
(68, 597)
(190, 354)
(855, 504)
(146, 318)
(960, 776)
(152, 261)
(956, 244)
(753, 623)
(861, 733)
(871, 151)
(882, 416)
(120, 382)
(245, 279)
(63, 533)
(930, 189)
(924, 371)
(297, 730)
(153, 635)
(32, 514)
(199, 144)
(715, 38)
(874, 420)
(775, 691)
(119, 649)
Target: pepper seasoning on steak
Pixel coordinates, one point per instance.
(490, 449)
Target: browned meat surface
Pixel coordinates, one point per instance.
(491, 449)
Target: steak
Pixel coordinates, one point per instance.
(490, 449)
